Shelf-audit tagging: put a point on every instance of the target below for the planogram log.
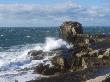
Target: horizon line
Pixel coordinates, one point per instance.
(42, 26)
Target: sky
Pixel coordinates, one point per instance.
(45, 13)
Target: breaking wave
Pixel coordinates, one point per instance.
(14, 60)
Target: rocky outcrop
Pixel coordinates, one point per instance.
(45, 69)
(80, 57)
(79, 76)
(72, 32)
(68, 31)
(82, 60)
(70, 28)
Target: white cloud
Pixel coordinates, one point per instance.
(23, 10)
(34, 14)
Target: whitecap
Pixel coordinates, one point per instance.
(1, 35)
(28, 36)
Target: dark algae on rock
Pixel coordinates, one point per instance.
(78, 63)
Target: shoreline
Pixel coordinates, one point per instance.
(88, 59)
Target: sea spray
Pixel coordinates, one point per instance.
(16, 58)
(52, 43)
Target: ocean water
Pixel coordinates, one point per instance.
(16, 42)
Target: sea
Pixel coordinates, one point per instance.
(16, 42)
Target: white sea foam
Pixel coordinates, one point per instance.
(52, 43)
(16, 58)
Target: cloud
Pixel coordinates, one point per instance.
(36, 14)
(28, 11)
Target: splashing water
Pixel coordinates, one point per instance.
(52, 43)
(15, 59)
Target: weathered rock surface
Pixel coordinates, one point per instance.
(68, 31)
(45, 69)
(82, 58)
(79, 76)
(70, 28)
(36, 55)
(72, 32)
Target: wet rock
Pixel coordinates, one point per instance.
(80, 76)
(36, 55)
(107, 79)
(39, 68)
(50, 71)
(59, 62)
(71, 61)
(81, 60)
(63, 59)
(89, 59)
(45, 69)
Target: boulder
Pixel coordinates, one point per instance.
(72, 32)
(63, 59)
(69, 29)
(36, 55)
